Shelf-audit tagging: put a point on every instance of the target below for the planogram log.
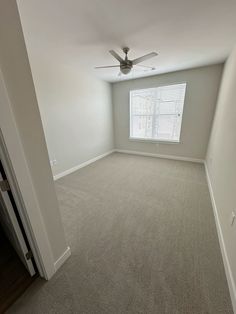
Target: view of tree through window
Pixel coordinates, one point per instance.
(156, 113)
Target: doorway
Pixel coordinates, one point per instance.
(17, 266)
(14, 278)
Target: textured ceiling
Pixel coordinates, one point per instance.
(185, 33)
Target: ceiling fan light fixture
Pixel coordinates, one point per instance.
(125, 70)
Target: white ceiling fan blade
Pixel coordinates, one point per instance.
(115, 55)
(107, 66)
(145, 66)
(144, 58)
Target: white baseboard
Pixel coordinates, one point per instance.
(86, 163)
(132, 152)
(228, 271)
(61, 260)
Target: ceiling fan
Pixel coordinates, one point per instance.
(126, 65)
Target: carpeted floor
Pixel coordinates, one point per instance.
(143, 240)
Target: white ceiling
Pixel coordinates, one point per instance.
(185, 33)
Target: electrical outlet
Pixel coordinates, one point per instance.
(233, 218)
(53, 162)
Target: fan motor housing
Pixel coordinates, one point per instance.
(126, 67)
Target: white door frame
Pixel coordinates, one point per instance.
(10, 221)
(29, 210)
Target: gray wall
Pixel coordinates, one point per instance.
(18, 80)
(76, 111)
(221, 160)
(200, 100)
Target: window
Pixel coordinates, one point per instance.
(156, 113)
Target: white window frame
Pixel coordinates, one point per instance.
(152, 140)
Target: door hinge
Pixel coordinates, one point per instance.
(4, 185)
(29, 255)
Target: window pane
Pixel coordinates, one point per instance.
(172, 92)
(142, 126)
(166, 125)
(168, 107)
(156, 113)
(143, 102)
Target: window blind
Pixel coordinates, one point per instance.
(156, 113)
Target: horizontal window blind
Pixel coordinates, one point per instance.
(156, 113)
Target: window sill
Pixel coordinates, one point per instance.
(153, 141)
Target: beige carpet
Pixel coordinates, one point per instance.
(143, 240)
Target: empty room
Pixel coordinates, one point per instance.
(118, 156)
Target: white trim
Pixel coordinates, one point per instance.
(228, 271)
(30, 211)
(132, 152)
(84, 164)
(148, 140)
(61, 260)
(14, 223)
